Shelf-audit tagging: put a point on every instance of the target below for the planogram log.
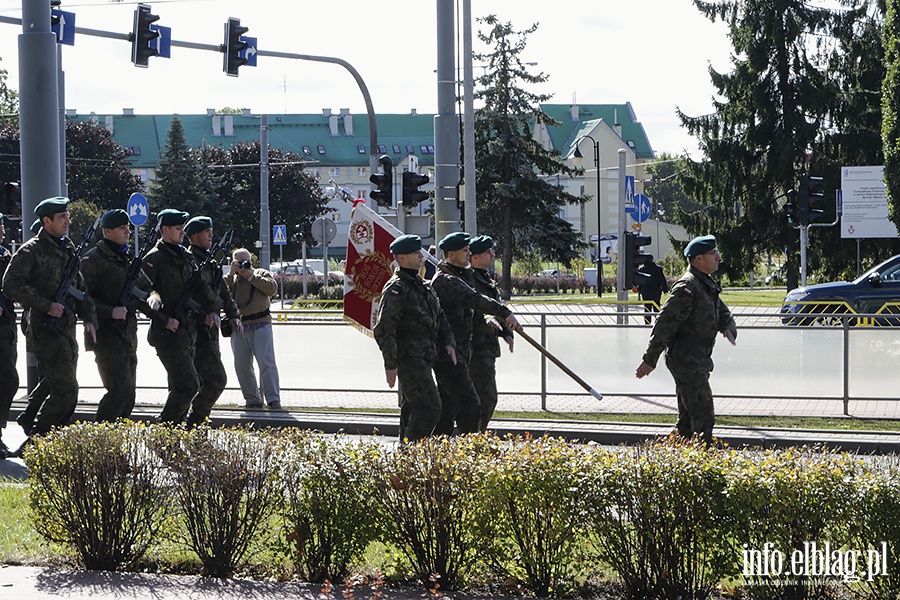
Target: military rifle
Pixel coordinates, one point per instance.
(66, 290)
(186, 300)
(129, 290)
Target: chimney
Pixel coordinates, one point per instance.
(413, 113)
(245, 112)
(348, 121)
(326, 112)
(616, 125)
(71, 112)
(210, 112)
(128, 112)
(93, 118)
(229, 125)
(574, 112)
(333, 125)
(216, 124)
(110, 127)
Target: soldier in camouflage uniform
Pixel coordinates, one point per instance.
(486, 330)
(32, 279)
(173, 330)
(105, 268)
(686, 330)
(9, 376)
(412, 330)
(208, 355)
(460, 404)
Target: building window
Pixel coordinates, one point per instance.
(144, 175)
(336, 172)
(630, 144)
(382, 148)
(134, 150)
(410, 149)
(426, 149)
(396, 148)
(361, 171)
(307, 150)
(430, 149)
(361, 149)
(320, 149)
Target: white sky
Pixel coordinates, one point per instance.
(652, 53)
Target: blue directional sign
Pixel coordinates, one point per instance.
(163, 43)
(250, 52)
(640, 210)
(64, 26)
(279, 235)
(138, 209)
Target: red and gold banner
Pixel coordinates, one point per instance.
(369, 265)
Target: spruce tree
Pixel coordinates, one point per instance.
(179, 179)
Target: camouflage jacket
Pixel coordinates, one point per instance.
(410, 321)
(169, 268)
(212, 277)
(34, 274)
(689, 322)
(8, 318)
(105, 271)
(485, 337)
(460, 301)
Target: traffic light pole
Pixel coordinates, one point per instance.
(622, 293)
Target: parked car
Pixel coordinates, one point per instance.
(875, 291)
(295, 271)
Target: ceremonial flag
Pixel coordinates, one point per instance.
(369, 265)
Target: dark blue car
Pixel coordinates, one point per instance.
(877, 291)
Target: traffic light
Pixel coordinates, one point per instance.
(142, 36)
(412, 195)
(634, 259)
(812, 200)
(792, 208)
(234, 45)
(383, 194)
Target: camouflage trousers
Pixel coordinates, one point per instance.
(420, 404)
(176, 353)
(211, 371)
(696, 414)
(459, 400)
(57, 350)
(9, 376)
(116, 360)
(482, 369)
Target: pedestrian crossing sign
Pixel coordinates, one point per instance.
(279, 235)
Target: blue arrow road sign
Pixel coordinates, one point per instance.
(138, 209)
(164, 42)
(250, 51)
(279, 235)
(65, 28)
(640, 210)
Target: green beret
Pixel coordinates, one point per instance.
(454, 241)
(197, 224)
(170, 216)
(406, 244)
(700, 245)
(51, 206)
(36, 226)
(113, 218)
(480, 244)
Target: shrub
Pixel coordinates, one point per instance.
(788, 498)
(874, 525)
(223, 484)
(661, 515)
(531, 510)
(96, 489)
(427, 490)
(330, 515)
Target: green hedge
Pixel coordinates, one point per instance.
(663, 520)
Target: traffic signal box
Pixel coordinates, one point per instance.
(142, 36)
(634, 258)
(234, 45)
(383, 194)
(412, 195)
(792, 208)
(811, 200)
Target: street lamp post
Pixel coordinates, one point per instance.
(578, 154)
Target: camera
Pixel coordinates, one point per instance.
(245, 264)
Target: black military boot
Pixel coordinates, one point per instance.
(4, 450)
